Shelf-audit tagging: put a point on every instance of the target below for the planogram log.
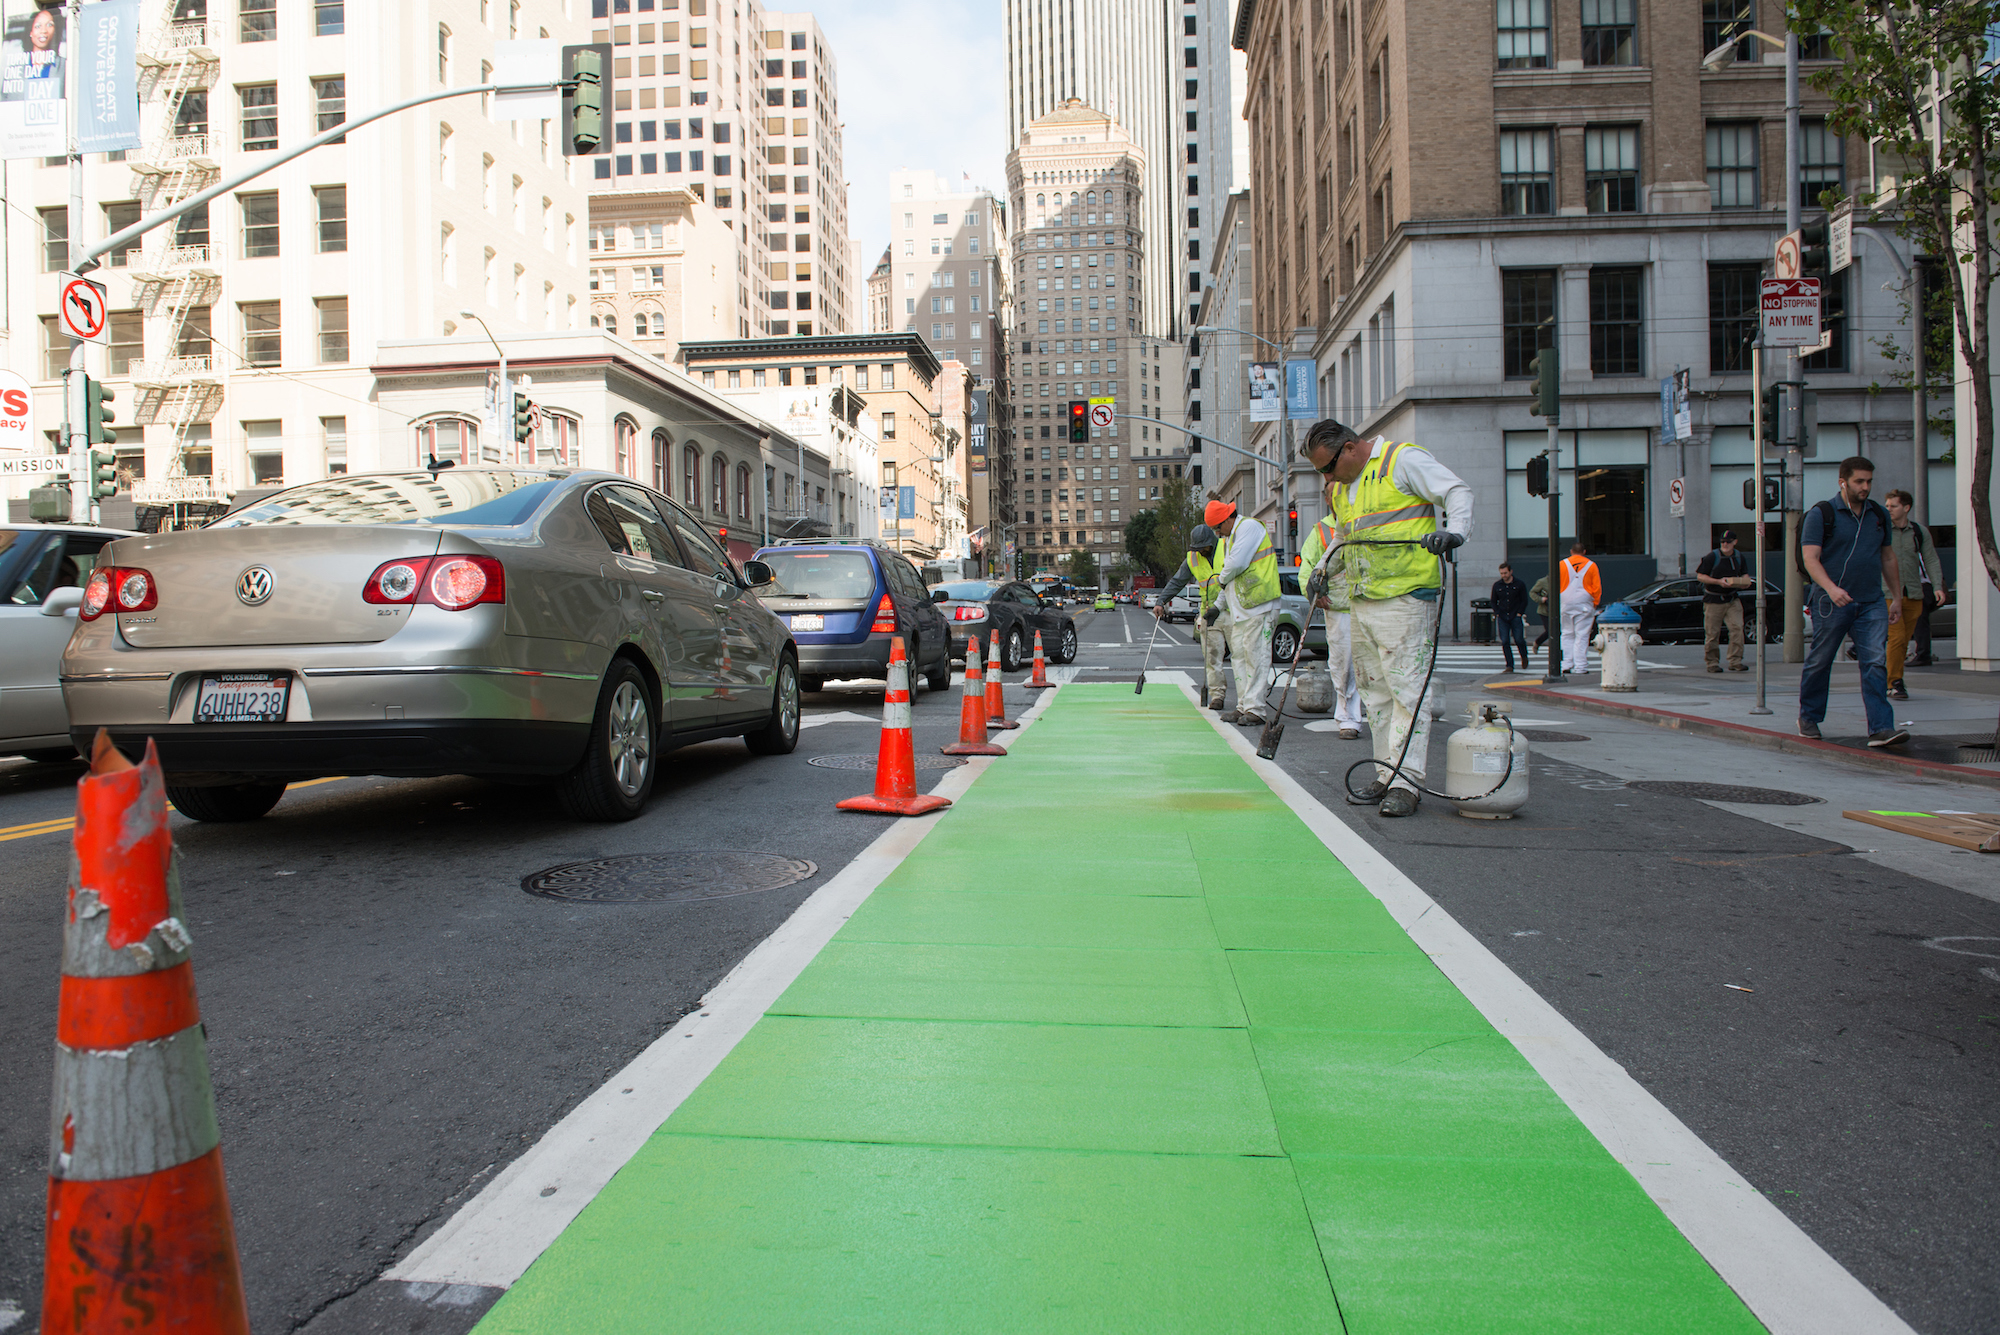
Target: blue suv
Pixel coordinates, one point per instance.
(845, 600)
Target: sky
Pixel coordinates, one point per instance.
(923, 87)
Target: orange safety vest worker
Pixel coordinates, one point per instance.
(1583, 570)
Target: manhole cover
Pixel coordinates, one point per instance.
(868, 762)
(1725, 792)
(1548, 735)
(651, 878)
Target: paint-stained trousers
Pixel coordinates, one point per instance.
(1392, 653)
(1250, 656)
(1213, 640)
(1347, 710)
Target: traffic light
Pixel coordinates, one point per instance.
(1079, 421)
(583, 99)
(103, 474)
(1538, 475)
(1773, 408)
(1773, 495)
(1546, 367)
(524, 419)
(1292, 522)
(98, 418)
(1813, 253)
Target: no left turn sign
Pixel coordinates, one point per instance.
(86, 309)
(1101, 414)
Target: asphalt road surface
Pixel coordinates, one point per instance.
(392, 1019)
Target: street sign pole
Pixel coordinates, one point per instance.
(76, 432)
(1757, 490)
(1794, 593)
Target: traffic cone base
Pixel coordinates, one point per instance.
(896, 759)
(1040, 681)
(996, 698)
(972, 711)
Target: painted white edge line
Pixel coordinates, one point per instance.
(494, 1237)
(1782, 1275)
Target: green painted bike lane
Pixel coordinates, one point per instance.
(1121, 1046)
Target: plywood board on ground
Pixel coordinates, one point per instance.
(1978, 831)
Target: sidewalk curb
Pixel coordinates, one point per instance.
(1746, 735)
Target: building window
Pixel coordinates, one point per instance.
(691, 475)
(128, 341)
(888, 426)
(1609, 32)
(1527, 313)
(1611, 169)
(330, 20)
(743, 492)
(1615, 321)
(262, 339)
(1524, 34)
(329, 105)
(1822, 163)
(332, 328)
(1527, 172)
(661, 461)
(257, 21)
(333, 444)
(1833, 319)
(265, 444)
(118, 217)
(625, 446)
(448, 438)
(1724, 19)
(260, 224)
(1734, 316)
(444, 54)
(330, 204)
(718, 485)
(191, 115)
(55, 239)
(259, 102)
(55, 348)
(1732, 165)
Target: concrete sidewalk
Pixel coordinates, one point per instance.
(1184, 1073)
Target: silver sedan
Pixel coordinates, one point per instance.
(42, 572)
(503, 622)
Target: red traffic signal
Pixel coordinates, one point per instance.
(1079, 421)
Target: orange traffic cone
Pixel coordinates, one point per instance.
(972, 710)
(139, 1232)
(1040, 681)
(996, 702)
(896, 762)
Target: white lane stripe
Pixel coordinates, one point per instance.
(1785, 1278)
(497, 1235)
(839, 716)
(1126, 622)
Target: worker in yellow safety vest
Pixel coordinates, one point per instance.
(1204, 559)
(1384, 492)
(1248, 607)
(1336, 607)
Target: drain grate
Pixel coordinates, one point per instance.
(654, 878)
(868, 762)
(1725, 792)
(1550, 735)
(1975, 750)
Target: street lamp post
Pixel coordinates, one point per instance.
(1285, 465)
(503, 400)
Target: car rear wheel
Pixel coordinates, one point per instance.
(1010, 651)
(1066, 645)
(615, 776)
(1284, 644)
(780, 735)
(812, 684)
(939, 677)
(234, 802)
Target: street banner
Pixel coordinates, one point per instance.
(906, 503)
(17, 412)
(528, 62)
(888, 505)
(1267, 393)
(1302, 389)
(33, 111)
(108, 76)
(1676, 415)
(1791, 312)
(975, 427)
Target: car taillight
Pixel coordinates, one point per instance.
(968, 614)
(118, 589)
(451, 582)
(885, 618)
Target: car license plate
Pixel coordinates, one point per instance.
(243, 697)
(808, 621)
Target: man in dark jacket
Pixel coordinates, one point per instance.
(1723, 574)
(1510, 604)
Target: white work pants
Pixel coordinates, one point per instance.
(1213, 639)
(1392, 654)
(1250, 655)
(1340, 666)
(1578, 615)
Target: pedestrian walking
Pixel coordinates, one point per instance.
(1337, 605)
(1922, 586)
(1199, 568)
(1581, 592)
(1510, 605)
(1538, 594)
(1722, 573)
(1396, 493)
(1249, 602)
(1847, 547)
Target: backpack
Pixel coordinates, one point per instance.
(1826, 522)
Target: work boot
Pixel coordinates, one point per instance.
(1739, 667)
(1372, 791)
(1216, 704)
(1399, 802)
(1715, 667)
(1896, 691)
(1350, 734)
(1237, 716)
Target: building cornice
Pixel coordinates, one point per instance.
(1246, 14)
(816, 347)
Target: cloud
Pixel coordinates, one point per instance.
(922, 87)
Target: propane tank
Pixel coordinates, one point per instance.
(1475, 758)
(1314, 689)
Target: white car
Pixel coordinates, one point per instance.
(43, 568)
(1185, 605)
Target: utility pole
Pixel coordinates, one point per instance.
(1551, 620)
(1757, 490)
(76, 429)
(1795, 460)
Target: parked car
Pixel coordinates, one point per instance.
(43, 568)
(529, 623)
(1104, 603)
(1670, 611)
(1292, 617)
(979, 607)
(1149, 601)
(845, 601)
(1185, 605)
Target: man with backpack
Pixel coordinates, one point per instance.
(1723, 574)
(1847, 548)
(1923, 582)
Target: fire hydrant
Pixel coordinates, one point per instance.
(1617, 645)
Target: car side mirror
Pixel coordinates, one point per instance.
(61, 601)
(758, 573)
(940, 596)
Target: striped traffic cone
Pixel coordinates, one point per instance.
(1040, 681)
(896, 762)
(996, 702)
(972, 710)
(139, 1232)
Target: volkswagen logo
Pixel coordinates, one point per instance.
(255, 586)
